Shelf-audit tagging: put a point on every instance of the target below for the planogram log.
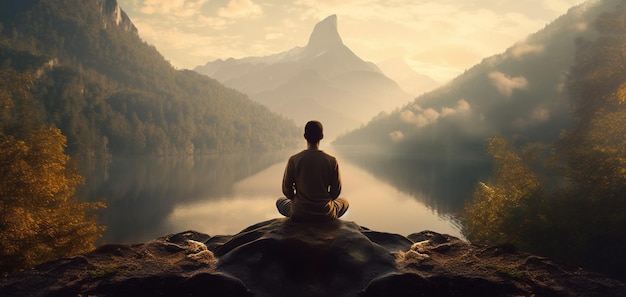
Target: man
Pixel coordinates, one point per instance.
(312, 182)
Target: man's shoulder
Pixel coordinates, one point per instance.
(329, 155)
(298, 154)
(314, 154)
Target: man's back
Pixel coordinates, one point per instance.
(313, 171)
(312, 182)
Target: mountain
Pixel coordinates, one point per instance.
(323, 80)
(519, 93)
(113, 94)
(408, 79)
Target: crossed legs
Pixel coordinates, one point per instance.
(341, 205)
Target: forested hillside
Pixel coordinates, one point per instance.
(518, 93)
(550, 112)
(112, 94)
(567, 198)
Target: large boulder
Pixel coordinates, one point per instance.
(284, 258)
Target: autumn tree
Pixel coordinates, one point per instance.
(578, 213)
(504, 209)
(40, 216)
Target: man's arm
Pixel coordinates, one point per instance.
(289, 181)
(335, 182)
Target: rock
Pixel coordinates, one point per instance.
(200, 284)
(284, 258)
(398, 284)
(165, 266)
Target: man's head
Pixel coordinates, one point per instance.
(313, 131)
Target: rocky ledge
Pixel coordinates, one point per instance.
(284, 258)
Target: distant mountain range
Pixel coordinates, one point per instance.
(112, 94)
(408, 79)
(520, 94)
(324, 80)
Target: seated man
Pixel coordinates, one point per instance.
(312, 182)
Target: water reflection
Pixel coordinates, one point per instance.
(141, 193)
(373, 204)
(441, 184)
(223, 194)
(251, 201)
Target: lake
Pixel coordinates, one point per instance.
(225, 193)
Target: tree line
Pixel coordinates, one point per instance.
(113, 94)
(567, 199)
(75, 85)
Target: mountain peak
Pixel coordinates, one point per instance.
(113, 11)
(325, 34)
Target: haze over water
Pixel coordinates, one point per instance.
(373, 204)
(223, 194)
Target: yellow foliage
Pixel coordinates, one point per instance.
(580, 204)
(491, 216)
(621, 93)
(40, 217)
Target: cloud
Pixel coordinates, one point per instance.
(424, 117)
(195, 46)
(447, 37)
(180, 8)
(450, 55)
(274, 36)
(240, 9)
(580, 27)
(506, 85)
(396, 136)
(437, 38)
(538, 116)
(461, 107)
(558, 5)
(523, 49)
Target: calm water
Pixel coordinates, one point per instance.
(223, 194)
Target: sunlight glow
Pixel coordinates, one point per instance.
(437, 38)
(373, 204)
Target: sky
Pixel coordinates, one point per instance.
(438, 38)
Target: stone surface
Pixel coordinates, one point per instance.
(283, 258)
